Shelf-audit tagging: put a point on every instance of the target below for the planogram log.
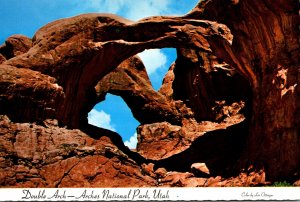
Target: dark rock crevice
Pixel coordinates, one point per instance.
(218, 149)
(203, 80)
(96, 132)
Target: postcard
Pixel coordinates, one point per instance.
(149, 100)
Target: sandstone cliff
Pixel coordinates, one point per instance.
(228, 109)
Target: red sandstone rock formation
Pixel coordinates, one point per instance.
(266, 52)
(14, 46)
(130, 81)
(230, 100)
(49, 156)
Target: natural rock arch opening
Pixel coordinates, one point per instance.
(157, 62)
(122, 43)
(99, 54)
(225, 100)
(114, 114)
(148, 76)
(80, 87)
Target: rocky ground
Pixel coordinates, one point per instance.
(46, 155)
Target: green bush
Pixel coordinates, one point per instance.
(281, 184)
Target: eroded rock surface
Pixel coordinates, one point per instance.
(33, 93)
(130, 81)
(161, 140)
(266, 53)
(49, 156)
(15, 45)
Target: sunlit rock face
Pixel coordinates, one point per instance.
(226, 113)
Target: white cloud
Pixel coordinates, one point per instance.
(145, 8)
(131, 9)
(100, 119)
(153, 59)
(132, 142)
(107, 6)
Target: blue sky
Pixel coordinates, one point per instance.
(27, 16)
